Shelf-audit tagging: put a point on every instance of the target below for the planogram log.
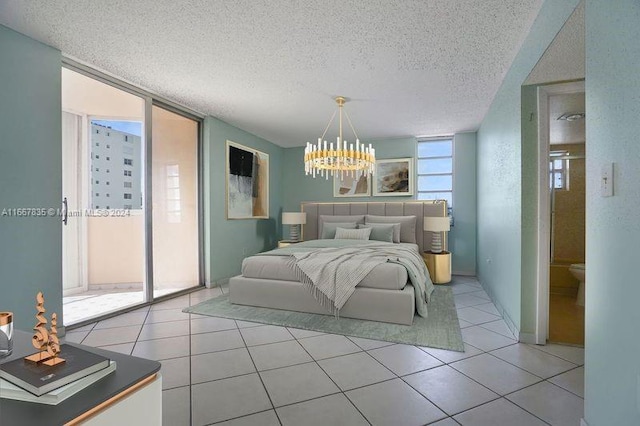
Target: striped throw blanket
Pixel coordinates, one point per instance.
(332, 274)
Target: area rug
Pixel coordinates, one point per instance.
(440, 330)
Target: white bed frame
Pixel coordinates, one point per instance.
(394, 306)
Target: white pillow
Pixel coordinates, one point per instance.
(353, 234)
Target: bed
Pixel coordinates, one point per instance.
(385, 293)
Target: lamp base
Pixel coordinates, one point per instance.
(294, 233)
(436, 243)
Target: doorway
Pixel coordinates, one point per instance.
(561, 214)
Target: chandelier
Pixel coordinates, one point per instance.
(342, 158)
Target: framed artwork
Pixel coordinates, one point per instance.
(348, 186)
(247, 172)
(393, 177)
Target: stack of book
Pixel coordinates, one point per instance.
(43, 384)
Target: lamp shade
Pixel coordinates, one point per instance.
(294, 218)
(436, 224)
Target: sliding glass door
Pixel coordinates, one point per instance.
(174, 179)
(103, 169)
(130, 181)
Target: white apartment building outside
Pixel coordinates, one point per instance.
(116, 168)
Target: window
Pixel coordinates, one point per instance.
(108, 158)
(107, 197)
(127, 196)
(127, 172)
(107, 182)
(108, 146)
(127, 206)
(97, 156)
(435, 170)
(97, 181)
(127, 184)
(559, 171)
(97, 169)
(97, 143)
(128, 162)
(97, 194)
(126, 138)
(107, 170)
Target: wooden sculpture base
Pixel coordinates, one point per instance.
(38, 357)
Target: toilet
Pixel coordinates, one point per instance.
(578, 271)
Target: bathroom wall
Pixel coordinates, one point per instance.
(569, 207)
(569, 224)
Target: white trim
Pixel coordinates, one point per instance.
(543, 257)
(527, 338)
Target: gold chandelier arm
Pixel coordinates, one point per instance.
(351, 125)
(328, 125)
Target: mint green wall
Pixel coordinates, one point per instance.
(30, 175)
(462, 238)
(227, 242)
(298, 188)
(499, 171)
(613, 230)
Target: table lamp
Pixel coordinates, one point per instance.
(295, 219)
(436, 225)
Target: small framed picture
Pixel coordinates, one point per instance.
(393, 177)
(350, 186)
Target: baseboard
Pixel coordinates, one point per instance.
(464, 273)
(505, 316)
(217, 283)
(583, 422)
(527, 338)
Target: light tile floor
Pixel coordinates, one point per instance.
(95, 303)
(233, 373)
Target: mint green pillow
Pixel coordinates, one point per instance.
(380, 232)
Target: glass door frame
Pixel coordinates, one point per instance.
(159, 103)
(151, 100)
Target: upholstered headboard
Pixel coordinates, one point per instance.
(419, 209)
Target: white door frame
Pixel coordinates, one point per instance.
(543, 242)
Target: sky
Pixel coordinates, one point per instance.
(131, 127)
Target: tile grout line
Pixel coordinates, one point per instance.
(333, 381)
(258, 374)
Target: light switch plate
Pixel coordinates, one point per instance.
(606, 180)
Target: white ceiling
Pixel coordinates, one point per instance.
(563, 131)
(564, 59)
(411, 68)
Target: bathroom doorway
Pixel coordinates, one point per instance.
(562, 179)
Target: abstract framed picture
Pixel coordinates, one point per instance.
(247, 172)
(350, 186)
(393, 177)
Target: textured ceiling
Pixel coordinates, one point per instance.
(564, 59)
(272, 67)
